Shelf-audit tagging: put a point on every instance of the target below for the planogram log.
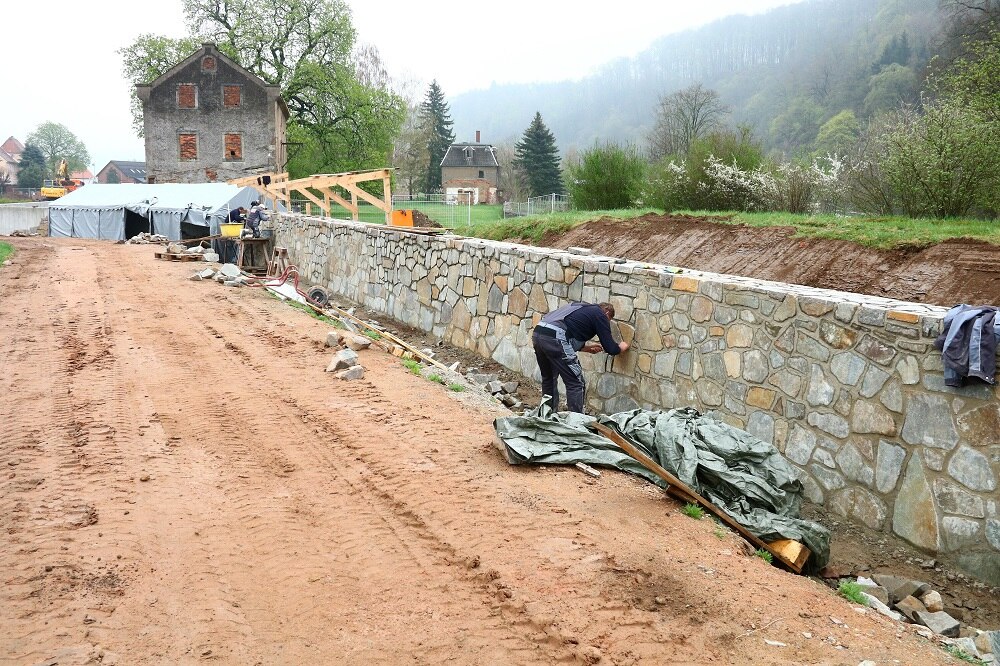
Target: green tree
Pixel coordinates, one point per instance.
(438, 119)
(838, 134)
(344, 114)
(537, 159)
(607, 177)
(57, 143)
(798, 125)
(943, 162)
(974, 78)
(32, 169)
(894, 85)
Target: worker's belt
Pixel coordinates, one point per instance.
(550, 330)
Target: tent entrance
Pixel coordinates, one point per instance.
(135, 224)
(189, 230)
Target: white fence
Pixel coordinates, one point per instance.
(545, 204)
(22, 217)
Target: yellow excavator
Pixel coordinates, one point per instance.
(60, 187)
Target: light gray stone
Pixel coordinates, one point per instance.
(867, 418)
(357, 342)
(820, 390)
(892, 397)
(230, 270)
(664, 364)
(861, 505)
(914, 515)
(972, 469)
(959, 532)
(952, 498)
(350, 374)
(786, 380)
(854, 467)
(829, 423)
(761, 426)
(343, 359)
(825, 457)
(874, 379)
(800, 445)
(940, 623)
(810, 489)
(811, 347)
(888, 465)
(993, 533)
(828, 479)
(507, 354)
(847, 367)
(929, 422)
(909, 370)
(875, 350)
(709, 392)
(934, 459)
(755, 366)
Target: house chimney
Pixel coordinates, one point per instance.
(477, 136)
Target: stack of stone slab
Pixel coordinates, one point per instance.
(505, 392)
(915, 601)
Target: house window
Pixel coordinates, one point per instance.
(232, 96)
(482, 174)
(187, 96)
(188, 147)
(208, 64)
(234, 147)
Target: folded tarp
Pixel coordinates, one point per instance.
(744, 476)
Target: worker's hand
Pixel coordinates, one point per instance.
(623, 346)
(592, 348)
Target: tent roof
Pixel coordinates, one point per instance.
(169, 196)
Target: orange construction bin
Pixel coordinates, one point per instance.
(402, 218)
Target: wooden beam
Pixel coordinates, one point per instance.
(309, 195)
(339, 200)
(370, 198)
(792, 557)
(387, 195)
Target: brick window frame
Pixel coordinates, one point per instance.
(187, 96)
(209, 64)
(232, 147)
(232, 96)
(187, 145)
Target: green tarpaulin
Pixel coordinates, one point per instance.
(744, 476)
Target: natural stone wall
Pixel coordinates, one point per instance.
(849, 387)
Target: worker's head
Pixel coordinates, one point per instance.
(254, 203)
(608, 309)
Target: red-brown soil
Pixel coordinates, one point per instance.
(956, 271)
(182, 482)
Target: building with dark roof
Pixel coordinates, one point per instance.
(208, 119)
(119, 171)
(471, 172)
(10, 158)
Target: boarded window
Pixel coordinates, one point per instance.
(189, 146)
(187, 96)
(232, 96)
(234, 147)
(208, 64)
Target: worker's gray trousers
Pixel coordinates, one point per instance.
(557, 359)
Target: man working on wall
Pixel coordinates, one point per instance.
(560, 335)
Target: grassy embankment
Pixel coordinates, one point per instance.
(6, 250)
(881, 232)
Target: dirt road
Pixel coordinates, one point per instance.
(181, 482)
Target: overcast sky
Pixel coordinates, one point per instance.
(61, 63)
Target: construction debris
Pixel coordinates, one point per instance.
(146, 238)
(343, 359)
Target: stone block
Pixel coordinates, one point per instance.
(972, 469)
(761, 426)
(958, 532)
(853, 465)
(952, 498)
(875, 378)
(929, 422)
(680, 283)
(900, 588)
(786, 380)
(835, 336)
(848, 367)
(859, 504)
(333, 338)
(820, 391)
(981, 427)
(815, 307)
(829, 423)
(915, 515)
(702, 309)
(940, 623)
(932, 601)
(808, 346)
(739, 336)
(755, 367)
(877, 351)
(786, 310)
(867, 418)
(357, 342)
(909, 606)
(888, 465)
(345, 358)
(352, 373)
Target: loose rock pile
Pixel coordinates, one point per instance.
(21, 233)
(915, 601)
(505, 392)
(146, 238)
(346, 363)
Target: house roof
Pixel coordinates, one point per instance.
(133, 170)
(470, 155)
(7, 157)
(12, 146)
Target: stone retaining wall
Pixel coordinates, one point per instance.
(849, 387)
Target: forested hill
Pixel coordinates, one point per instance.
(783, 73)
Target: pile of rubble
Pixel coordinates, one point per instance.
(228, 274)
(505, 392)
(21, 233)
(146, 238)
(345, 362)
(204, 249)
(901, 598)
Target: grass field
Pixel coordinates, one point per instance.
(6, 250)
(460, 218)
(881, 232)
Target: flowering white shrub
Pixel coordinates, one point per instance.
(728, 187)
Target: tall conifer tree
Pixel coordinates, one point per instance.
(438, 119)
(537, 158)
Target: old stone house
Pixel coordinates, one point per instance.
(119, 171)
(208, 119)
(470, 172)
(10, 158)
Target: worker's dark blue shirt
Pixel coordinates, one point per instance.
(589, 321)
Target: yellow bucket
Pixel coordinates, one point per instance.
(231, 229)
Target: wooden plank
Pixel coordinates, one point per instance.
(685, 493)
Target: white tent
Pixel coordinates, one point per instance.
(113, 212)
